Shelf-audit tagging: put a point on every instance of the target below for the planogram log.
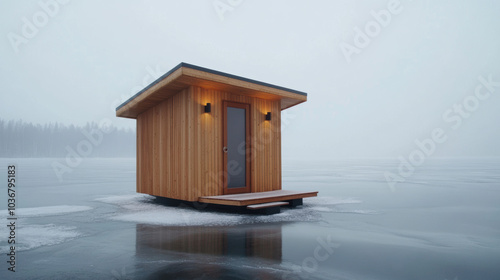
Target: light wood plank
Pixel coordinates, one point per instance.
(256, 198)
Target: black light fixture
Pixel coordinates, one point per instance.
(208, 108)
(268, 116)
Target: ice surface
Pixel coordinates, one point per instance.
(441, 223)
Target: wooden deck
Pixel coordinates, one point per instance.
(245, 199)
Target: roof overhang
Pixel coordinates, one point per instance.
(185, 75)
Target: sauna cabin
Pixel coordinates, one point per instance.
(212, 137)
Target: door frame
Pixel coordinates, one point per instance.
(248, 148)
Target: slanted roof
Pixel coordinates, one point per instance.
(185, 75)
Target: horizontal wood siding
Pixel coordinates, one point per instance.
(179, 146)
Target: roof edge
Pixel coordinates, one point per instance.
(187, 65)
(195, 67)
(150, 85)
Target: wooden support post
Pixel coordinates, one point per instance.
(167, 201)
(295, 202)
(268, 210)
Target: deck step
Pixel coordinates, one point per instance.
(244, 199)
(266, 205)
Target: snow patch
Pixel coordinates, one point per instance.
(325, 200)
(34, 236)
(357, 211)
(321, 209)
(333, 205)
(139, 208)
(163, 215)
(339, 210)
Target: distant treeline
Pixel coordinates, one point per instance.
(23, 139)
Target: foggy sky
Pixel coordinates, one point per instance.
(83, 58)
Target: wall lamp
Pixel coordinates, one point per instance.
(268, 116)
(208, 108)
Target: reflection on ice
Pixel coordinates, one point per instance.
(242, 241)
(208, 270)
(222, 251)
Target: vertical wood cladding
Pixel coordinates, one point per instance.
(179, 146)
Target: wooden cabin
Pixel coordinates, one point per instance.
(211, 137)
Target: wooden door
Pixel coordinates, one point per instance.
(237, 151)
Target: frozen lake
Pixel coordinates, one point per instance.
(443, 222)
